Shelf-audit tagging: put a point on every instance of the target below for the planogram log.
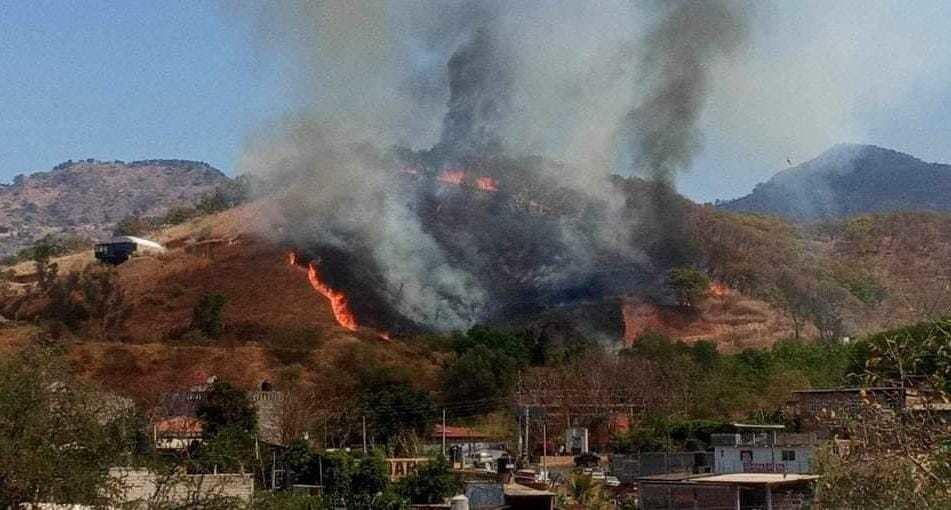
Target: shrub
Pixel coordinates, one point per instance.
(179, 215)
(206, 316)
(689, 284)
(431, 483)
(227, 407)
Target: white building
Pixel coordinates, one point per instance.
(762, 449)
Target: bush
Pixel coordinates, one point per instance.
(431, 483)
(94, 295)
(689, 284)
(358, 484)
(393, 407)
(266, 500)
(226, 407)
(480, 374)
(135, 226)
(179, 215)
(206, 316)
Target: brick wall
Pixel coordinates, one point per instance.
(686, 496)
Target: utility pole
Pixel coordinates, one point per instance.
(528, 448)
(545, 447)
(273, 471)
(443, 432)
(364, 435)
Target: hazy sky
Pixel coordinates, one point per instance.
(144, 79)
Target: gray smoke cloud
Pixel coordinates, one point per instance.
(677, 57)
(676, 62)
(582, 84)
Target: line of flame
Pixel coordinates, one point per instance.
(338, 300)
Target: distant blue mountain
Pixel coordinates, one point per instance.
(848, 180)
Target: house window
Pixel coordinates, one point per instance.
(789, 455)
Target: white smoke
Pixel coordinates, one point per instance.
(580, 83)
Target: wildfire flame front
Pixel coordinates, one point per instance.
(338, 300)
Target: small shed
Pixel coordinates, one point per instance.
(119, 249)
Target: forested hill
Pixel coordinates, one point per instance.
(85, 199)
(849, 180)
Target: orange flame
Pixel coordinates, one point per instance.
(338, 300)
(718, 289)
(450, 176)
(486, 183)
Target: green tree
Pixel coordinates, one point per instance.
(369, 480)
(206, 316)
(512, 345)
(480, 374)
(58, 437)
(359, 484)
(301, 462)
(689, 284)
(431, 483)
(286, 500)
(224, 407)
(393, 407)
(229, 450)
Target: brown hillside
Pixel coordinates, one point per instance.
(731, 321)
(275, 326)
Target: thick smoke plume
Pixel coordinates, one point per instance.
(676, 59)
(541, 98)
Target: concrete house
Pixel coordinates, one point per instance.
(762, 449)
(739, 491)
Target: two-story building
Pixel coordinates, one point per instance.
(762, 449)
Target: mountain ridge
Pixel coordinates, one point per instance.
(849, 180)
(87, 198)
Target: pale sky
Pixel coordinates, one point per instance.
(183, 79)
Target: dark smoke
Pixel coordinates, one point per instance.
(480, 84)
(517, 84)
(676, 59)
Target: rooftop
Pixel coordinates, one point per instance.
(136, 240)
(733, 478)
(755, 478)
(758, 427)
(849, 390)
(179, 425)
(458, 433)
(518, 490)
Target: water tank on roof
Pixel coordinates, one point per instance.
(459, 502)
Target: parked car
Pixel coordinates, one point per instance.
(612, 481)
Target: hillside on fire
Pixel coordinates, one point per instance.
(475, 255)
(285, 312)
